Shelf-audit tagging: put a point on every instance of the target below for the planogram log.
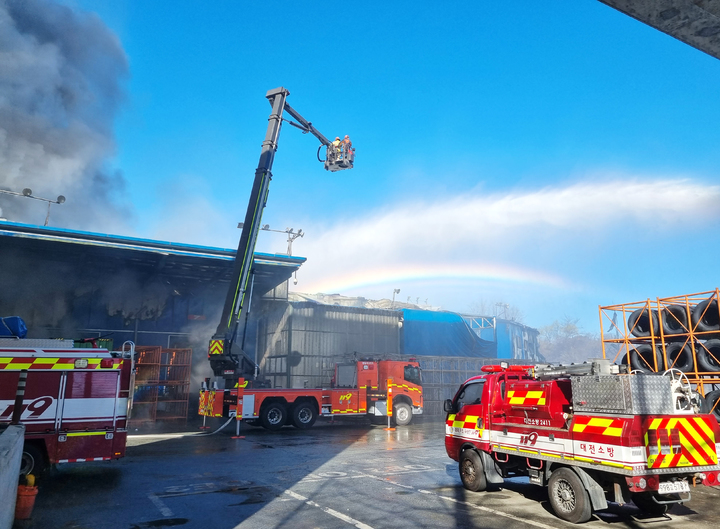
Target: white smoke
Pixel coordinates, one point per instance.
(61, 75)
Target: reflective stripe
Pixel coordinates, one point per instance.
(526, 398)
(216, 347)
(599, 426)
(64, 364)
(402, 386)
(83, 460)
(695, 437)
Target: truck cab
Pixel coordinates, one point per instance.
(484, 401)
(399, 381)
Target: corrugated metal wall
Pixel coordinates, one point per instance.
(517, 341)
(312, 337)
(443, 375)
(300, 342)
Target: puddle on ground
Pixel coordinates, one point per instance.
(253, 495)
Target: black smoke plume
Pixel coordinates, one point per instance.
(61, 84)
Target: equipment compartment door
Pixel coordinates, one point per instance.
(86, 429)
(346, 401)
(248, 408)
(40, 405)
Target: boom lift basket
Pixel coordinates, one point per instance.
(337, 160)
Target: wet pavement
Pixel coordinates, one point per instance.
(344, 474)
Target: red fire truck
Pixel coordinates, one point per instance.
(76, 400)
(364, 388)
(588, 432)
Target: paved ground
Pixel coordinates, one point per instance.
(339, 475)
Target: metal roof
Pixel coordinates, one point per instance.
(178, 260)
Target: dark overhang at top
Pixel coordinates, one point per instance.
(694, 22)
(104, 252)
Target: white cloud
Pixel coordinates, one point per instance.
(486, 234)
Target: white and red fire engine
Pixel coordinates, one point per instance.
(375, 388)
(589, 432)
(76, 400)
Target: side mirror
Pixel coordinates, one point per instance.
(448, 406)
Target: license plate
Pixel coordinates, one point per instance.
(669, 487)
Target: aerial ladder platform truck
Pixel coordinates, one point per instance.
(364, 387)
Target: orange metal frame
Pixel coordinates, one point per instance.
(615, 318)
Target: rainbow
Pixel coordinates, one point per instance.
(441, 273)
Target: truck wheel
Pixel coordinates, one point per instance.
(273, 416)
(472, 473)
(33, 460)
(644, 501)
(304, 415)
(402, 413)
(568, 496)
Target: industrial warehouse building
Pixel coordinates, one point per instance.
(71, 284)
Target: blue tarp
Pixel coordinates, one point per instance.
(431, 333)
(13, 326)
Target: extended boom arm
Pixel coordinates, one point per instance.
(226, 354)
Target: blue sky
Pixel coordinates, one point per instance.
(556, 156)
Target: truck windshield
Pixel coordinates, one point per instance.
(412, 374)
(471, 394)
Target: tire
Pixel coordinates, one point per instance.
(641, 358)
(705, 316)
(625, 360)
(708, 356)
(33, 460)
(472, 473)
(568, 496)
(680, 356)
(674, 320)
(704, 406)
(644, 502)
(304, 415)
(711, 400)
(273, 416)
(402, 413)
(639, 323)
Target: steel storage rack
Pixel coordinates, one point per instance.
(147, 375)
(162, 384)
(679, 332)
(174, 384)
